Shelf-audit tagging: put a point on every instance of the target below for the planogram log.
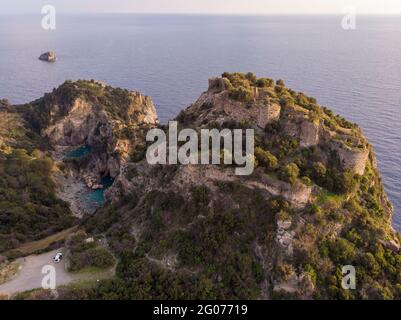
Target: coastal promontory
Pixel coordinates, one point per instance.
(314, 203)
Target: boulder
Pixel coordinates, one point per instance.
(48, 56)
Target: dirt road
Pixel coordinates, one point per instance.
(30, 275)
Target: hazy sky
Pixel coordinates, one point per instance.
(205, 6)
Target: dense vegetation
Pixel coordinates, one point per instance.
(86, 252)
(116, 102)
(220, 240)
(29, 208)
(215, 257)
(212, 245)
(205, 246)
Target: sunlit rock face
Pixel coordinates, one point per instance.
(109, 121)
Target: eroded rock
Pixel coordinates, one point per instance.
(49, 56)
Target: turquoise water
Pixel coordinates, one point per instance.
(78, 153)
(95, 198)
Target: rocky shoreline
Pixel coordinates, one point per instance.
(72, 190)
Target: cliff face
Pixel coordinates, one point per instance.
(313, 204)
(108, 121)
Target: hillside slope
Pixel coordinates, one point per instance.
(29, 208)
(314, 203)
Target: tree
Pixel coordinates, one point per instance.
(346, 181)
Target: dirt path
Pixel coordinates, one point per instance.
(30, 274)
(33, 246)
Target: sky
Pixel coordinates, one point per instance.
(205, 6)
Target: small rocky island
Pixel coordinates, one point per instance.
(49, 56)
(314, 203)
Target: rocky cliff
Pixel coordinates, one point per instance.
(313, 204)
(106, 120)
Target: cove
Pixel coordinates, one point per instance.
(95, 198)
(78, 153)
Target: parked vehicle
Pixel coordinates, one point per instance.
(57, 258)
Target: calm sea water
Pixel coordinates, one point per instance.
(96, 198)
(356, 73)
(78, 153)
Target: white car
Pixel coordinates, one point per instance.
(57, 258)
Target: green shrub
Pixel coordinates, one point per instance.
(242, 94)
(319, 171)
(287, 145)
(341, 251)
(285, 271)
(307, 181)
(97, 257)
(370, 264)
(289, 173)
(85, 254)
(237, 79)
(287, 101)
(265, 158)
(346, 182)
(251, 77)
(264, 82)
(315, 209)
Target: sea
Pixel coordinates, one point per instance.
(354, 72)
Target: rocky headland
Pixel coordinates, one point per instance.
(314, 203)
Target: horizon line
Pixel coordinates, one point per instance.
(201, 14)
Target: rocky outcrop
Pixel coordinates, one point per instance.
(296, 285)
(285, 236)
(297, 124)
(298, 195)
(48, 56)
(215, 106)
(392, 245)
(91, 119)
(354, 159)
(74, 129)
